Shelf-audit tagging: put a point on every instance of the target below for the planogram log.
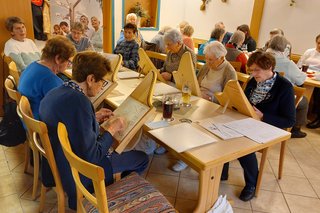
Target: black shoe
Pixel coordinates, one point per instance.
(298, 134)
(314, 124)
(247, 193)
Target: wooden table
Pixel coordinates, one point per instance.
(207, 160)
(310, 84)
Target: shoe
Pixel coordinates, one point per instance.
(179, 166)
(314, 124)
(247, 193)
(160, 150)
(298, 134)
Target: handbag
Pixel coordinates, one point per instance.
(12, 132)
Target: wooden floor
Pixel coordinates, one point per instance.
(298, 191)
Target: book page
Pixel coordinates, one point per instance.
(129, 74)
(258, 131)
(132, 110)
(162, 89)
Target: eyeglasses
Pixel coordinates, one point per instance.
(69, 63)
(104, 82)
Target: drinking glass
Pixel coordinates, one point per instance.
(186, 94)
(304, 67)
(167, 104)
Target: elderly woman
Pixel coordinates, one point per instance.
(176, 48)
(234, 51)
(159, 40)
(70, 104)
(132, 18)
(97, 36)
(277, 47)
(22, 50)
(186, 36)
(273, 100)
(212, 78)
(78, 39)
(273, 33)
(249, 43)
(216, 35)
(311, 57)
(41, 76)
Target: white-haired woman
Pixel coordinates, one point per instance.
(132, 18)
(234, 53)
(212, 78)
(174, 43)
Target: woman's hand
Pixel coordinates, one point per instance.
(258, 112)
(166, 76)
(207, 97)
(103, 114)
(115, 125)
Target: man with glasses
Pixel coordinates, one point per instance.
(78, 39)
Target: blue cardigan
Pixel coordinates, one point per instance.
(278, 108)
(74, 109)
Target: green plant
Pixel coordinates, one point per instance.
(139, 11)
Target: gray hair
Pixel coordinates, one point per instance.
(217, 33)
(215, 48)
(130, 15)
(173, 36)
(237, 37)
(77, 26)
(278, 43)
(164, 29)
(276, 31)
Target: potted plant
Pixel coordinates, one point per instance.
(140, 12)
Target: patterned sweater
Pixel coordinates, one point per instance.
(22, 52)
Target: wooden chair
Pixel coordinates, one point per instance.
(15, 95)
(39, 132)
(243, 79)
(13, 71)
(236, 65)
(132, 192)
(186, 73)
(201, 57)
(146, 64)
(115, 61)
(198, 41)
(156, 55)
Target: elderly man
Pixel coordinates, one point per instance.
(80, 42)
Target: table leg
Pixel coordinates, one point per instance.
(308, 92)
(209, 181)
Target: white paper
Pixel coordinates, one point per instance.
(217, 128)
(256, 130)
(162, 89)
(129, 74)
(182, 137)
(157, 124)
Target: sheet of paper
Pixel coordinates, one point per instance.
(132, 110)
(129, 74)
(217, 128)
(157, 124)
(256, 130)
(182, 137)
(162, 89)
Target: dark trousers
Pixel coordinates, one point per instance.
(316, 102)
(301, 112)
(249, 165)
(127, 162)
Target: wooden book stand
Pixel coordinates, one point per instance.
(186, 73)
(136, 109)
(233, 97)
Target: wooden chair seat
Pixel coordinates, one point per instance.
(133, 194)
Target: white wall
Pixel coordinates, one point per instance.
(299, 23)
(172, 12)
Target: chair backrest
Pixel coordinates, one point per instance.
(236, 65)
(146, 64)
(298, 92)
(198, 41)
(13, 71)
(39, 132)
(243, 79)
(156, 55)
(186, 73)
(91, 171)
(11, 89)
(234, 98)
(201, 57)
